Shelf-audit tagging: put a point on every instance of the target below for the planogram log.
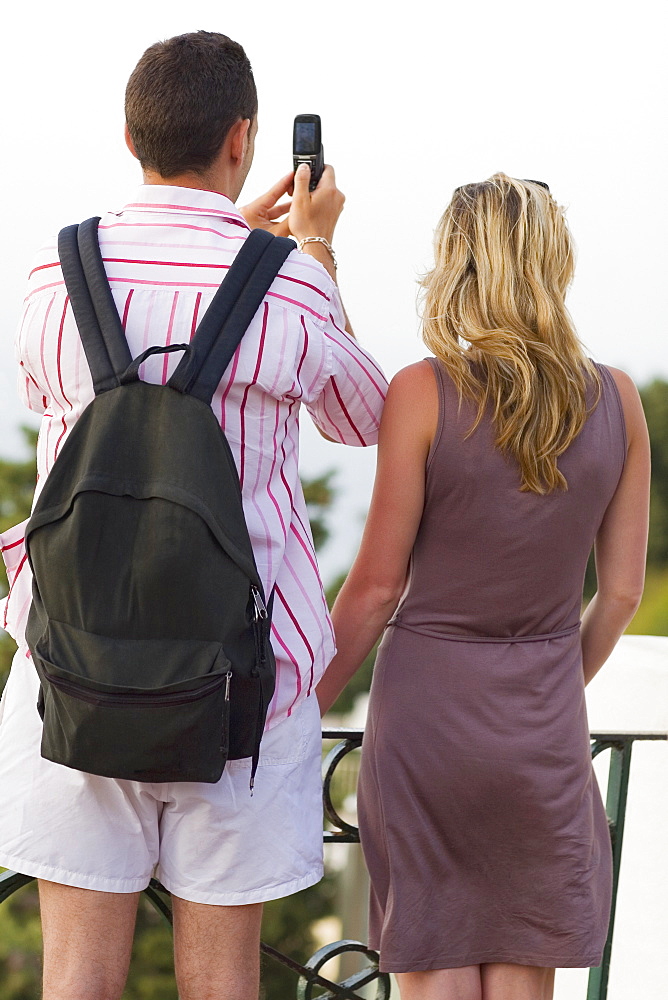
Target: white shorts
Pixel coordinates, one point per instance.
(206, 843)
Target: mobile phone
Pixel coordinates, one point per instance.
(307, 146)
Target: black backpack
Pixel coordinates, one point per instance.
(149, 628)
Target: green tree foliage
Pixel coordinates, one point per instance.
(655, 402)
(653, 615)
(286, 926)
(152, 965)
(20, 946)
(319, 495)
(17, 485)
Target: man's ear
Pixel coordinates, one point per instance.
(238, 139)
(129, 143)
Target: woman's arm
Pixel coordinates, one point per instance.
(376, 581)
(621, 542)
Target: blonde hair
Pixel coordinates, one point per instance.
(495, 315)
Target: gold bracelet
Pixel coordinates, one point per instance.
(318, 239)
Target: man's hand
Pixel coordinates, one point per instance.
(266, 211)
(315, 213)
(311, 213)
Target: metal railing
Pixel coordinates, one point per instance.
(344, 831)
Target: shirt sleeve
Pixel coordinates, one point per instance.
(348, 400)
(30, 392)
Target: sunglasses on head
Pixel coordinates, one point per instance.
(525, 180)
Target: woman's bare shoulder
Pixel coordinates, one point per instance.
(412, 402)
(418, 377)
(634, 416)
(624, 382)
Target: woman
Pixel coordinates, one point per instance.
(501, 462)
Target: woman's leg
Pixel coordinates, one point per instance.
(516, 982)
(441, 984)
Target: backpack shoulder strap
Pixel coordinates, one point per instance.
(230, 313)
(95, 312)
(218, 335)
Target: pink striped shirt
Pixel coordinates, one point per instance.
(165, 255)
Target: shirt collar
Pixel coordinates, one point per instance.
(168, 199)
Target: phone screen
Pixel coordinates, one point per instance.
(305, 136)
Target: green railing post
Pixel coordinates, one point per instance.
(10, 882)
(615, 806)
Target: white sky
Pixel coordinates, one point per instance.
(414, 101)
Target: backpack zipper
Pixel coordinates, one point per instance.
(261, 612)
(170, 698)
(260, 621)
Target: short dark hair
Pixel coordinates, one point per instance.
(183, 97)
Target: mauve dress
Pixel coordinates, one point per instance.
(481, 820)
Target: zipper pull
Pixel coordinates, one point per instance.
(228, 678)
(260, 608)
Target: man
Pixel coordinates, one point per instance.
(94, 842)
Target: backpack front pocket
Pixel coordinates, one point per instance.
(115, 708)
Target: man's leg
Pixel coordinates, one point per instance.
(87, 941)
(216, 950)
